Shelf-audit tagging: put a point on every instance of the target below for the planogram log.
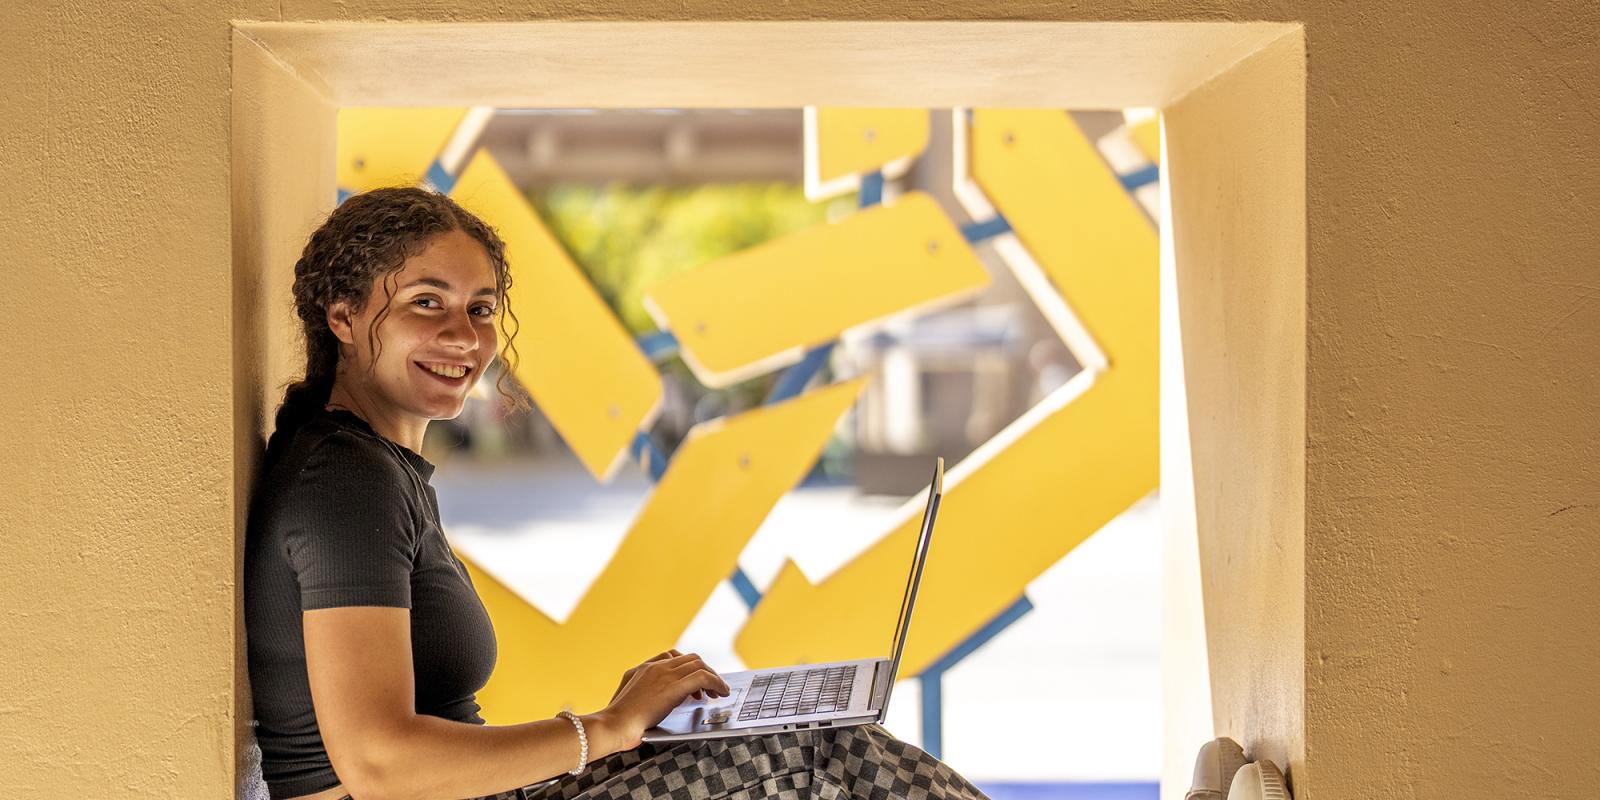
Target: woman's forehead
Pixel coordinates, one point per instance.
(454, 259)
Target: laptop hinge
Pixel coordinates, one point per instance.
(880, 689)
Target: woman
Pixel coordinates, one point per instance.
(367, 640)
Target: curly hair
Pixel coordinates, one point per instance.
(368, 235)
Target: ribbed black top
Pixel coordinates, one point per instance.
(345, 517)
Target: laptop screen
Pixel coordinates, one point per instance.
(909, 598)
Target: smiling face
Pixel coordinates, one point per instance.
(434, 343)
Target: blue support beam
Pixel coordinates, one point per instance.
(793, 380)
(871, 189)
(642, 448)
(932, 713)
(659, 345)
(1140, 177)
(987, 229)
(745, 587)
(932, 678)
(439, 178)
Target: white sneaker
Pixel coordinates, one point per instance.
(1214, 769)
(1260, 780)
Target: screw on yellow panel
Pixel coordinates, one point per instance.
(759, 309)
(721, 484)
(582, 368)
(843, 143)
(391, 146)
(1026, 498)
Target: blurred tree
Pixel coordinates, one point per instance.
(627, 238)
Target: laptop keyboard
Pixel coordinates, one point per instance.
(801, 691)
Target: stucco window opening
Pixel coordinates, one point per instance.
(1234, 254)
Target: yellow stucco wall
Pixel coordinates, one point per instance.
(293, 175)
(1450, 429)
(1241, 315)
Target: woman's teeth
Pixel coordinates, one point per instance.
(448, 372)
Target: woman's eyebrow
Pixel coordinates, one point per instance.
(489, 290)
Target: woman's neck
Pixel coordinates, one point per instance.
(403, 429)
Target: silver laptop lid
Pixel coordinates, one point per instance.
(909, 599)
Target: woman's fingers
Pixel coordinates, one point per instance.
(686, 661)
(690, 666)
(700, 671)
(628, 676)
(659, 685)
(700, 680)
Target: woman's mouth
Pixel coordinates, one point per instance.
(452, 375)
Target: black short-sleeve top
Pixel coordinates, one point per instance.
(342, 516)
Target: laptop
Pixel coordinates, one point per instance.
(834, 694)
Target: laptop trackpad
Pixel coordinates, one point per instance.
(701, 715)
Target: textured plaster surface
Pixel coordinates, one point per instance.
(117, 420)
(283, 181)
(1451, 433)
(1186, 707)
(688, 65)
(1237, 184)
(1453, 371)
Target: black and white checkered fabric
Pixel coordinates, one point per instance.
(861, 762)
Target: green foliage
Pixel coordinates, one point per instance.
(627, 238)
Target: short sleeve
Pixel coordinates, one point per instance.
(349, 534)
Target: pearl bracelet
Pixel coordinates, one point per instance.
(583, 741)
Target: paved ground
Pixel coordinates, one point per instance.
(1067, 697)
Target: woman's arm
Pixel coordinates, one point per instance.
(358, 660)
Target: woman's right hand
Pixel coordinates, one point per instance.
(651, 690)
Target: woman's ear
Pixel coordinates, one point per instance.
(340, 321)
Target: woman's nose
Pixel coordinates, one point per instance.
(458, 329)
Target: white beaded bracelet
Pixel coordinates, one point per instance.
(583, 741)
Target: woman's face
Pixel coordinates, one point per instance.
(441, 320)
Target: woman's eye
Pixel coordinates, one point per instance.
(486, 311)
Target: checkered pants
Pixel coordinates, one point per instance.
(860, 762)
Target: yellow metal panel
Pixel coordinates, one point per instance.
(1051, 479)
(576, 360)
(1146, 134)
(1077, 221)
(856, 140)
(391, 146)
(721, 484)
(760, 308)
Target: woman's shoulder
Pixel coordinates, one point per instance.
(326, 454)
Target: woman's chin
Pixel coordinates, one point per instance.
(444, 411)
(437, 407)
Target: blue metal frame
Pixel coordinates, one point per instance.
(932, 678)
(1140, 177)
(643, 448)
(975, 232)
(794, 379)
(871, 189)
(659, 346)
(439, 178)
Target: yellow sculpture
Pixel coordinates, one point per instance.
(1014, 507)
(1053, 477)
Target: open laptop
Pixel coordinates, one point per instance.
(834, 694)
